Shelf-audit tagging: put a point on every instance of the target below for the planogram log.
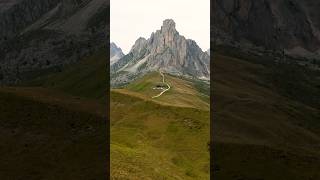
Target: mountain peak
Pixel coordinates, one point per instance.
(168, 26)
(141, 39)
(165, 50)
(112, 44)
(139, 44)
(169, 23)
(115, 53)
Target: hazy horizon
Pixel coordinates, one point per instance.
(133, 19)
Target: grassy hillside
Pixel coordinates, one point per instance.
(266, 123)
(183, 92)
(88, 78)
(54, 127)
(164, 138)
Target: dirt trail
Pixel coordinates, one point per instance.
(164, 89)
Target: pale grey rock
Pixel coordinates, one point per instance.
(166, 50)
(115, 53)
(139, 46)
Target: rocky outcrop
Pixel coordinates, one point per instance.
(39, 36)
(273, 24)
(166, 50)
(76, 16)
(18, 14)
(115, 53)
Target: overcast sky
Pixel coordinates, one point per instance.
(131, 19)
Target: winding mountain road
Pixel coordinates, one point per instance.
(164, 89)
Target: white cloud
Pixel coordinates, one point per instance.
(131, 19)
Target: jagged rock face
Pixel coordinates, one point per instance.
(272, 24)
(77, 16)
(166, 50)
(18, 14)
(115, 53)
(36, 35)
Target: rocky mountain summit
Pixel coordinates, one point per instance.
(272, 25)
(45, 35)
(115, 53)
(166, 50)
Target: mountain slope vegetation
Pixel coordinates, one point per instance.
(265, 125)
(165, 137)
(54, 127)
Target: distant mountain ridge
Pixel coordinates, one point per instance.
(115, 53)
(166, 50)
(38, 36)
(273, 25)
